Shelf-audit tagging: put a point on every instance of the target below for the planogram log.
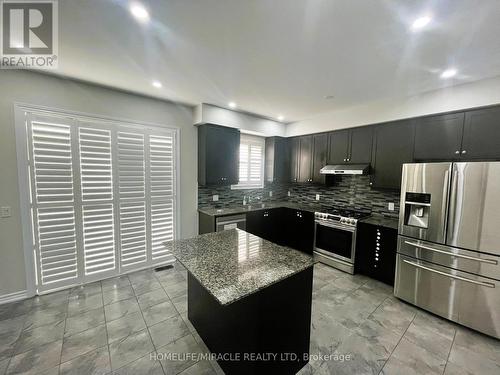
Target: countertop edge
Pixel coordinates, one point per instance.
(248, 294)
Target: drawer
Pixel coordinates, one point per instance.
(468, 299)
(429, 290)
(468, 261)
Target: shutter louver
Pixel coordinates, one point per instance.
(57, 244)
(95, 164)
(131, 176)
(52, 162)
(161, 159)
(97, 196)
(53, 187)
(98, 238)
(133, 233)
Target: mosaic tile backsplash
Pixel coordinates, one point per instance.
(348, 191)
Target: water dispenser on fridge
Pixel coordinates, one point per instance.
(417, 208)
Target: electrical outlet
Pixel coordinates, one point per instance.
(317, 197)
(289, 194)
(391, 206)
(5, 211)
(270, 193)
(215, 197)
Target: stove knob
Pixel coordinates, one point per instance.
(353, 221)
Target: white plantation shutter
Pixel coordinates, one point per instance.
(103, 197)
(161, 184)
(132, 188)
(251, 171)
(51, 162)
(97, 200)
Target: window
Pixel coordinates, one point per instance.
(251, 162)
(102, 197)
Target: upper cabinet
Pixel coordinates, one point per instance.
(361, 145)
(301, 158)
(320, 156)
(439, 137)
(277, 159)
(393, 146)
(481, 139)
(339, 147)
(218, 155)
(305, 158)
(351, 146)
(294, 158)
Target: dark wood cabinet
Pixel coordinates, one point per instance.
(361, 141)
(218, 155)
(376, 252)
(351, 146)
(481, 139)
(320, 153)
(277, 160)
(294, 158)
(284, 226)
(298, 229)
(338, 147)
(254, 223)
(266, 224)
(439, 137)
(393, 146)
(305, 158)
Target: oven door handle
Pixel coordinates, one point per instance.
(489, 285)
(334, 226)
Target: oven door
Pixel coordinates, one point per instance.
(335, 240)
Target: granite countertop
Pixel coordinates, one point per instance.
(233, 264)
(382, 221)
(233, 210)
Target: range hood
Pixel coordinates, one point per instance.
(345, 169)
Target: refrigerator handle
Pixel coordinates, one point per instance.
(453, 207)
(445, 204)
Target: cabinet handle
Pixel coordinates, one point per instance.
(457, 152)
(464, 152)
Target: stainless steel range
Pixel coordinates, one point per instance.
(335, 237)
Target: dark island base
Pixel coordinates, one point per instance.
(275, 320)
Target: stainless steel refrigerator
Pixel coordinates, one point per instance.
(449, 242)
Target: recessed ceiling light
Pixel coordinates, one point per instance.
(231, 104)
(281, 118)
(139, 12)
(448, 73)
(157, 84)
(420, 23)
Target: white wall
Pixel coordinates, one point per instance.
(45, 90)
(476, 94)
(206, 113)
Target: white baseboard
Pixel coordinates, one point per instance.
(12, 297)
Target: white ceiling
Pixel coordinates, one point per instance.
(279, 56)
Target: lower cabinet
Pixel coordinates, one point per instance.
(376, 252)
(298, 229)
(284, 226)
(265, 224)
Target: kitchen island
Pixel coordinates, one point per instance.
(249, 299)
